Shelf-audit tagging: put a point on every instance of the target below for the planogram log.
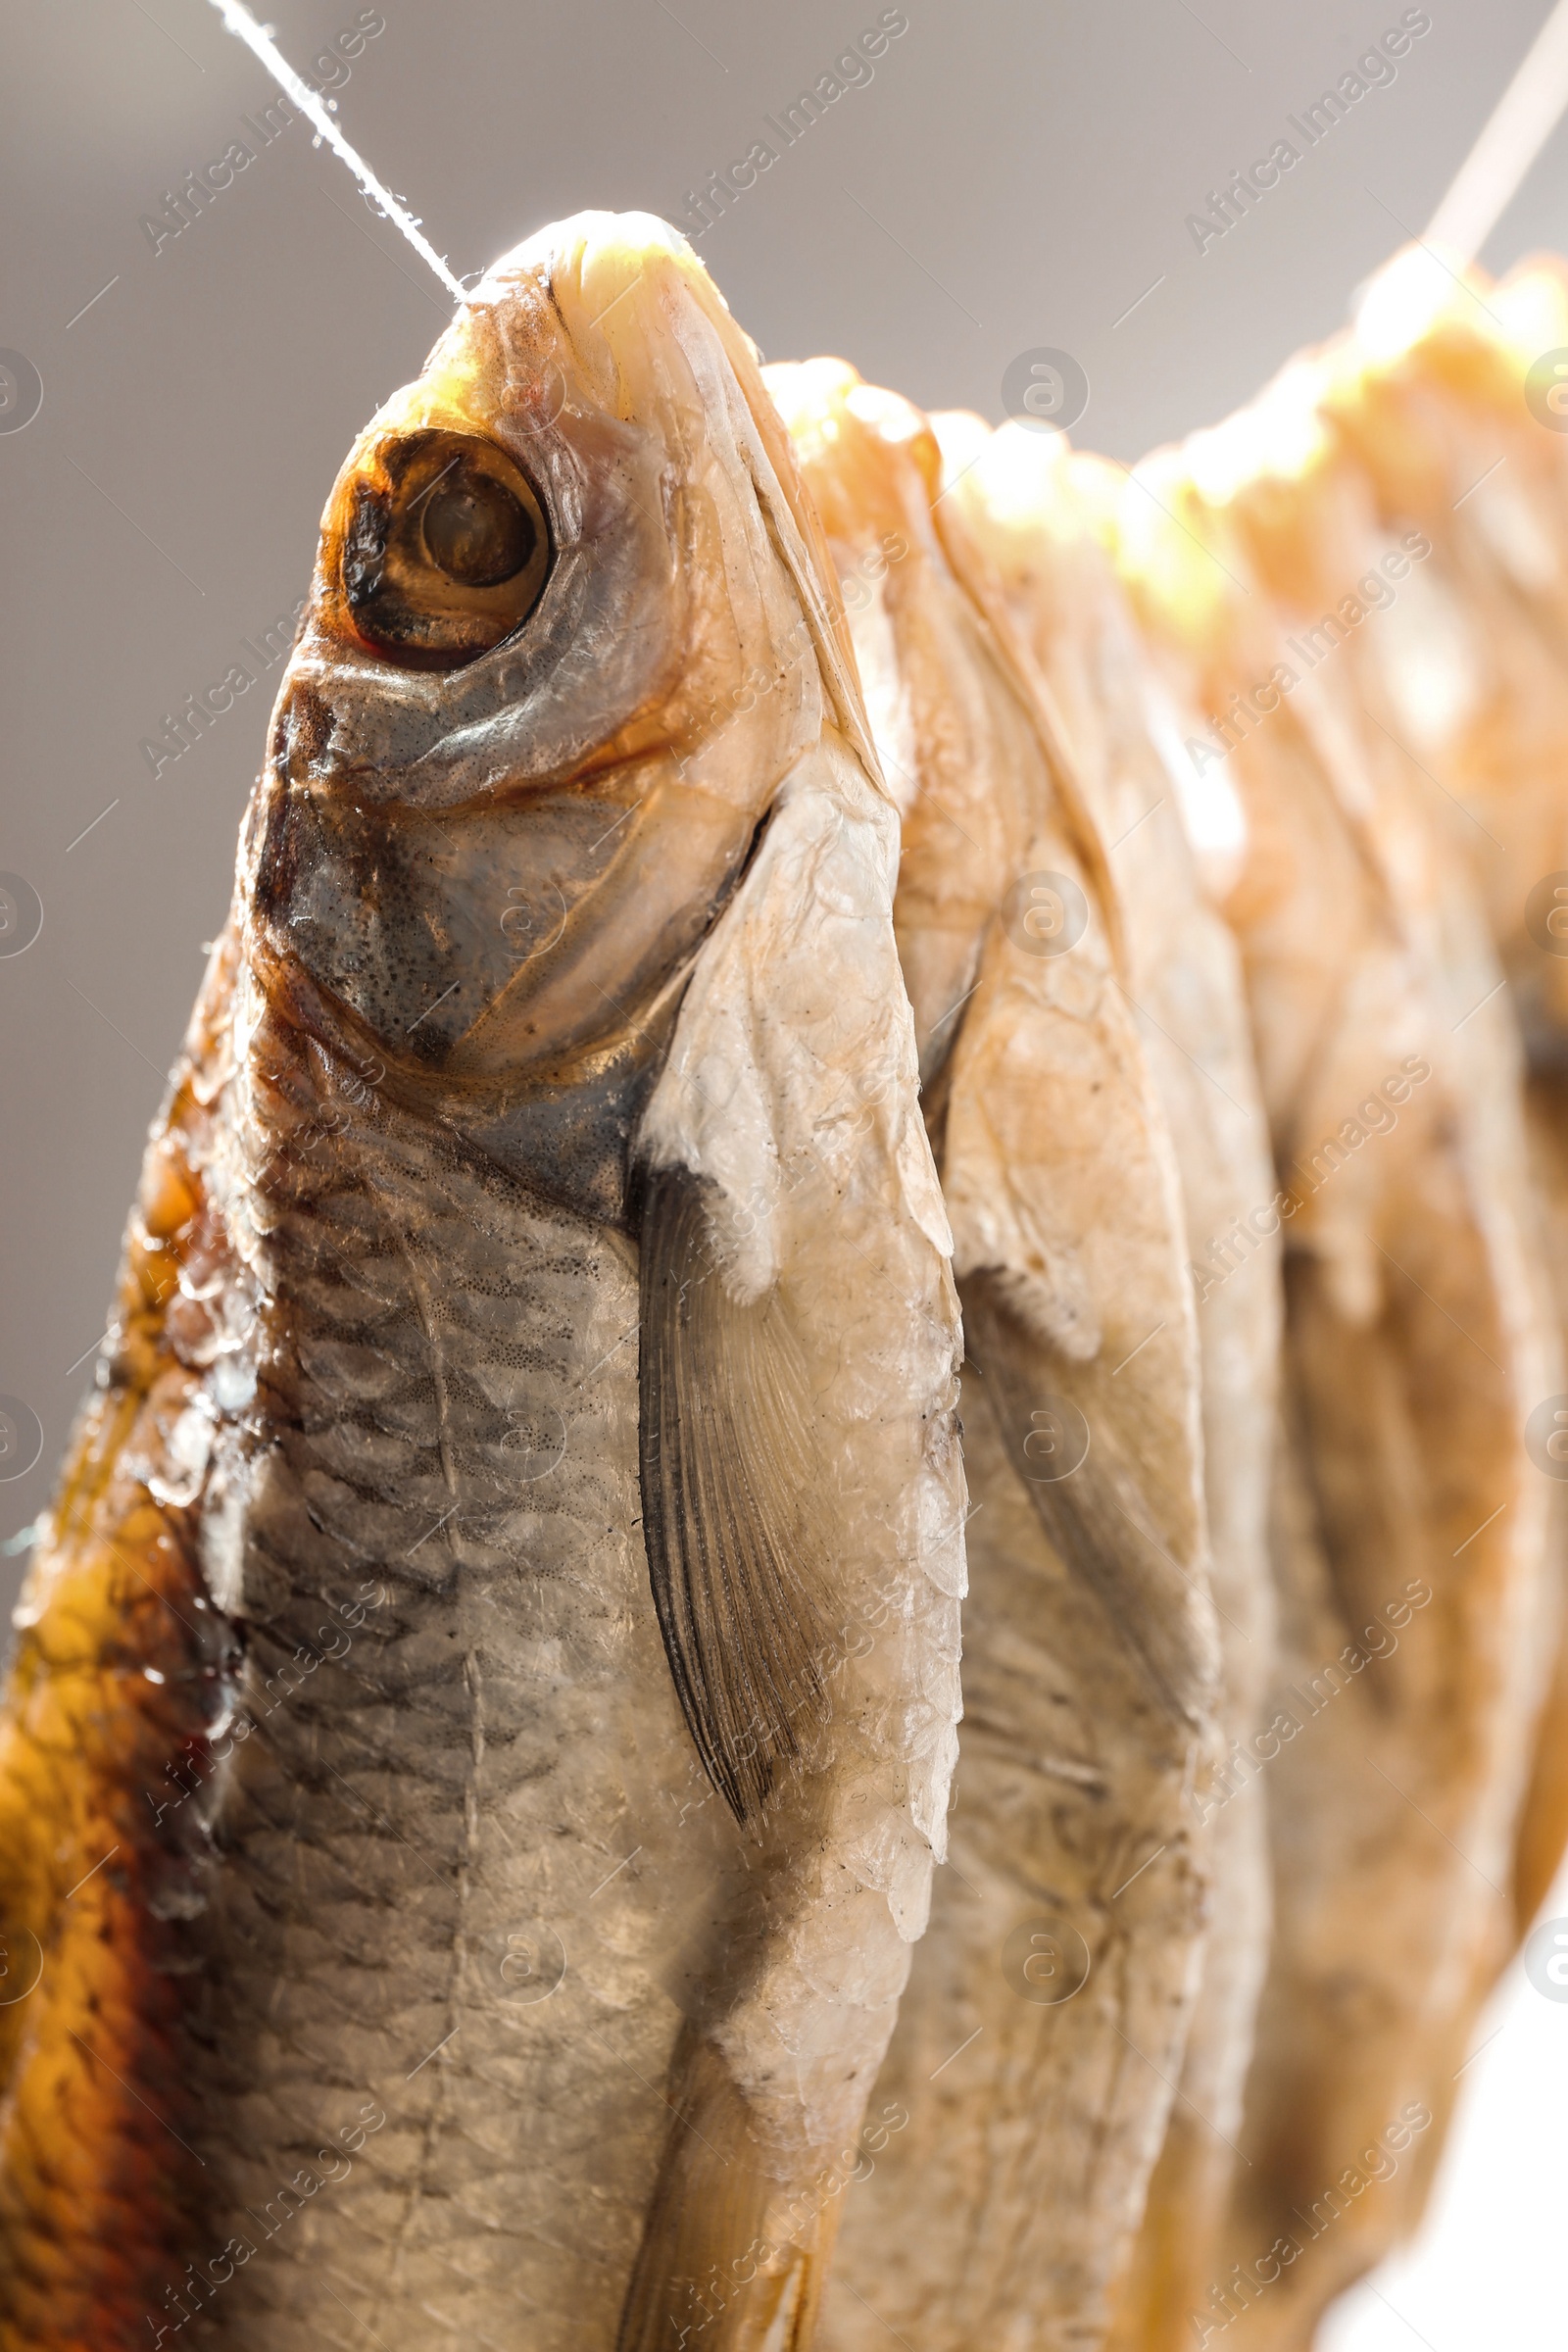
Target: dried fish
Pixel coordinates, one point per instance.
(442, 1928)
(1415, 1342)
(1048, 2006)
(484, 1713)
(1040, 510)
(1445, 398)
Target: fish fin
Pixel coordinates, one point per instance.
(733, 1554)
(1100, 1514)
(689, 2282)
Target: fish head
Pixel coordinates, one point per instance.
(570, 626)
(957, 723)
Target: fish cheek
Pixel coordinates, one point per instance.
(419, 921)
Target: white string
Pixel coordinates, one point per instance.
(1519, 127)
(241, 20)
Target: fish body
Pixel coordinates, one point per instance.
(1438, 398)
(1414, 1339)
(1050, 1998)
(1038, 508)
(483, 1715)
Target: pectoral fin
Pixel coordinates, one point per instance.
(735, 1559)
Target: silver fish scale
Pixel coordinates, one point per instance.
(425, 1831)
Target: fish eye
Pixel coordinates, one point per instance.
(475, 530)
(445, 549)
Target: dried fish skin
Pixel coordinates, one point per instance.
(1037, 509)
(964, 809)
(1433, 402)
(479, 2006)
(1072, 1847)
(124, 1682)
(1026, 1239)
(1414, 1339)
(1090, 1648)
(1433, 414)
(1433, 486)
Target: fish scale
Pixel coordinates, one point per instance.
(390, 1825)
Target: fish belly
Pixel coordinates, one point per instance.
(468, 1859)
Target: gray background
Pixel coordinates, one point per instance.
(1015, 176)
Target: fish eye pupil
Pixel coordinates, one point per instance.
(474, 530)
